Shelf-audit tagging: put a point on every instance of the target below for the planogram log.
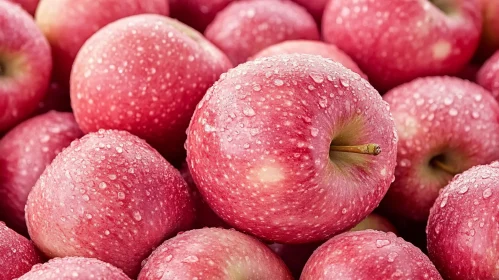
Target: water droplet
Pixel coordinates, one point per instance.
(190, 259)
(314, 131)
(485, 175)
(448, 101)
(121, 195)
(248, 111)
(168, 258)
(102, 185)
(119, 150)
(392, 256)
(107, 232)
(343, 211)
(278, 82)
(344, 82)
(86, 197)
(318, 78)
(453, 112)
(137, 216)
(112, 176)
(444, 202)
(463, 189)
(89, 216)
(380, 243)
(478, 97)
(475, 115)
(487, 193)
(257, 88)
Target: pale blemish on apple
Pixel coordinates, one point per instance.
(441, 49)
(269, 173)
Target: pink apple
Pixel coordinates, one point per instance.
(396, 41)
(247, 27)
(488, 76)
(144, 74)
(314, 7)
(213, 253)
(276, 143)
(462, 228)
(205, 217)
(17, 254)
(74, 268)
(375, 222)
(312, 47)
(28, 5)
(445, 126)
(57, 99)
(369, 255)
(25, 65)
(69, 23)
(197, 13)
(108, 196)
(24, 153)
(490, 37)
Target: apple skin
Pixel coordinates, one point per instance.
(437, 117)
(25, 63)
(56, 19)
(24, 153)
(28, 5)
(205, 217)
(369, 255)
(312, 47)
(247, 27)
(258, 148)
(108, 196)
(462, 227)
(56, 99)
(197, 13)
(74, 268)
(488, 75)
(151, 93)
(410, 39)
(17, 254)
(213, 253)
(375, 222)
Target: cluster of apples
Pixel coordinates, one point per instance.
(248, 139)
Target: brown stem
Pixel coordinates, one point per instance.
(439, 164)
(367, 149)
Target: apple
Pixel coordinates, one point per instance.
(197, 13)
(375, 222)
(25, 65)
(28, 5)
(369, 255)
(17, 254)
(490, 37)
(56, 99)
(24, 153)
(205, 217)
(462, 227)
(488, 75)
(312, 47)
(144, 74)
(69, 23)
(247, 27)
(395, 42)
(74, 268)
(213, 253)
(445, 126)
(292, 148)
(108, 196)
(314, 7)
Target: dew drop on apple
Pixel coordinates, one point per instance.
(487, 193)
(380, 243)
(86, 197)
(453, 112)
(278, 82)
(190, 259)
(448, 101)
(314, 131)
(463, 189)
(344, 82)
(112, 176)
(318, 78)
(392, 256)
(257, 88)
(475, 115)
(444, 201)
(249, 112)
(137, 216)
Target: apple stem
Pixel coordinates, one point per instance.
(444, 167)
(367, 149)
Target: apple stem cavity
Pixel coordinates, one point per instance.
(367, 149)
(440, 165)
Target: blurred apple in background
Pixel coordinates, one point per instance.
(197, 13)
(490, 36)
(488, 76)
(25, 65)
(28, 5)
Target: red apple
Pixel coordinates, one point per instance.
(197, 13)
(28, 5)
(144, 74)
(488, 76)
(445, 126)
(490, 37)
(74, 268)
(69, 23)
(57, 99)
(25, 65)
(369, 255)
(375, 222)
(17, 254)
(108, 196)
(312, 47)
(213, 253)
(462, 228)
(314, 7)
(205, 217)
(396, 41)
(24, 153)
(247, 27)
(285, 148)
